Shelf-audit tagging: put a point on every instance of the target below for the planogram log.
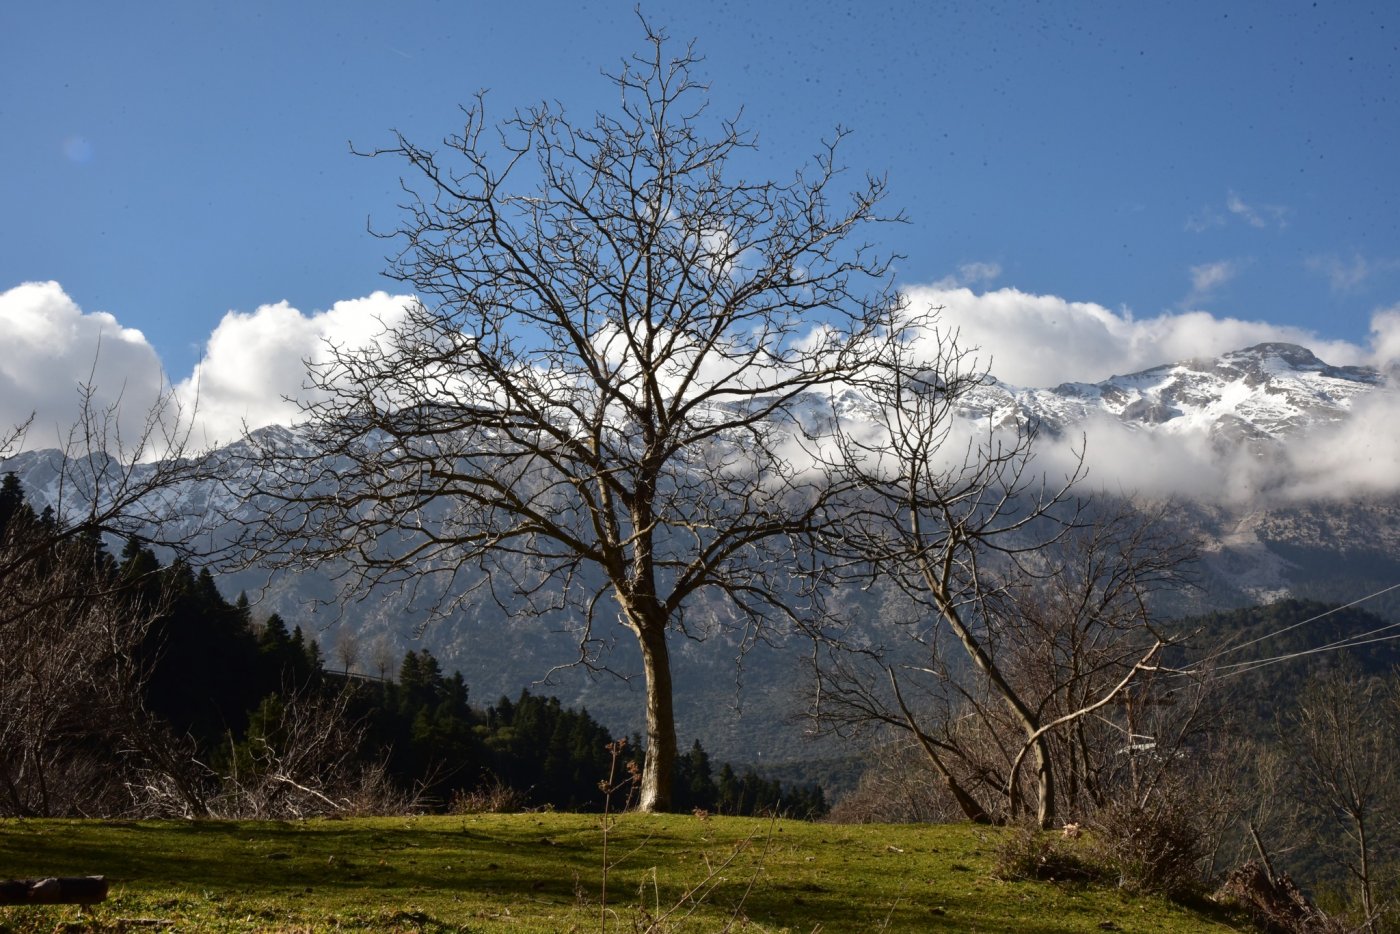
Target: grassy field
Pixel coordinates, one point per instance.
(543, 872)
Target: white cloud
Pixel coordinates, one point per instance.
(1346, 275)
(253, 371)
(252, 365)
(1257, 215)
(255, 359)
(1205, 219)
(52, 347)
(1343, 275)
(971, 274)
(1356, 457)
(1207, 277)
(1044, 340)
(1385, 337)
(1127, 461)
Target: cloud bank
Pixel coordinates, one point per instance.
(1031, 340)
(52, 348)
(252, 374)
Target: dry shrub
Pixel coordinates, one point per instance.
(1028, 853)
(493, 796)
(1275, 904)
(302, 758)
(897, 788)
(1154, 846)
(372, 792)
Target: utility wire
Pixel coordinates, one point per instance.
(1243, 667)
(1311, 619)
(1349, 642)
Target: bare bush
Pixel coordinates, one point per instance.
(302, 758)
(1027, 852)
(65, 673)
(1275, 904)
(896, 787)
(1153, 846)
(493, 796)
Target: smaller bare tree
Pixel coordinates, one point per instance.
(65, 634)
(347, 650)
(1024, 613)
(382, 657)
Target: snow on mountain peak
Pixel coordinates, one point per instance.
(1260, 393)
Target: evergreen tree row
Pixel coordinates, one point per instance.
(550, 754)
(222, 684)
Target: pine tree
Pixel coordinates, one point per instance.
(11, 501)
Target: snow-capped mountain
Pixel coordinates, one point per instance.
(1269, 392)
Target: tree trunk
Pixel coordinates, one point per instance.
(1045, 784)
(660, 767)
(1368, 904)
(1030, 723)
(78, 890)
(966, 803)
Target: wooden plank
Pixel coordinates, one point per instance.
(77, 890)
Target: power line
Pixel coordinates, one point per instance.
(1349, 642)
(1311, 619)
(1243, 667)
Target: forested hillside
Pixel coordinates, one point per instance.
(130, 687)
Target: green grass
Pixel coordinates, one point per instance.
(543, 872)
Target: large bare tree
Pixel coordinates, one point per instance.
(593, 405)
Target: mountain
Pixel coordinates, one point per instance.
(738, 698)
(1268, 392)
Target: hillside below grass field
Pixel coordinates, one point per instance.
(544, 872)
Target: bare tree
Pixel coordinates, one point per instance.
(381, 653)
(104, 484)
(65, 634)
(1025, 614)
(70, 674)
(347, 650)
(594, 406)
(12, 437)
(1342, 741)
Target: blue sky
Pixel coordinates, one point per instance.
(167, 163)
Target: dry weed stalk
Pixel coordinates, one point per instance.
(659, 919)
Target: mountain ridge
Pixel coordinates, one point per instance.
(1266, 392)
(1264, 398)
